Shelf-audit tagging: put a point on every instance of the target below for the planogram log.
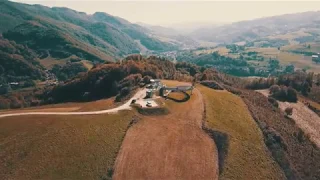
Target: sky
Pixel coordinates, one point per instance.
(167, 13)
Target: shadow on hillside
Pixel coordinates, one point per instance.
(185, 99)
(222, 142)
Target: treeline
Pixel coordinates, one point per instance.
(103, 81)
(299, 80)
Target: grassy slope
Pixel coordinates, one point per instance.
(247, 154)
(60, 147)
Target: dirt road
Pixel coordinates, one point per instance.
(126, 106)
(169, 147)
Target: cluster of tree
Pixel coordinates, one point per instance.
(235, 48)
(225, 64)
(283, 93)
(68, 71)
(108, 80)
(299, 80)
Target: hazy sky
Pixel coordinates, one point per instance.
(172, 12)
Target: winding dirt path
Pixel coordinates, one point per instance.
(169, 147)
(126, 106)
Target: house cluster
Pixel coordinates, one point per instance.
(155, 85)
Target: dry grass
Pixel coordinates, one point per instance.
(69, 107)
(87, 64)
(247, 156)
(170, 146)
(60, 147)
(305, 118)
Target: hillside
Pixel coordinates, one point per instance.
(97, 37)
(170, 35)
(18, 63)
(290, 27)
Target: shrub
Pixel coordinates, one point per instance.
(212, 85)
(288, 111)
(291, 95)
(146, 79)
(284, 93)
(274, 89)
(273, 101)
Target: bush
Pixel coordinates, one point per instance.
(146, 79)
(273, 101)
(291, 95)
(212, 85)
(283, 93)
(288, 111)
(274, 89)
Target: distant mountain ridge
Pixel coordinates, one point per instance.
(251, 30)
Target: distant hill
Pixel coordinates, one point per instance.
(290, 27)
(35, 37)
(97, 37)
(170, 35)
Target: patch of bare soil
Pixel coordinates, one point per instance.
(306, 119)
(171, 146)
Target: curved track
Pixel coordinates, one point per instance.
(126, 106)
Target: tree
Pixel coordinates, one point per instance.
(5, 88)
(274, 89)
(289, 69)
(273, 64)
(292, 95)
(289, 111)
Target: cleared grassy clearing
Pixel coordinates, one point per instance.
(171, 146)
(60, 147)
(220, 50)
(247, 156)
(68, 107)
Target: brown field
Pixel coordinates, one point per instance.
(170, 146)
(305, 118)
(61, 147)
(290, 147)
(69, 107)
(247, 156)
